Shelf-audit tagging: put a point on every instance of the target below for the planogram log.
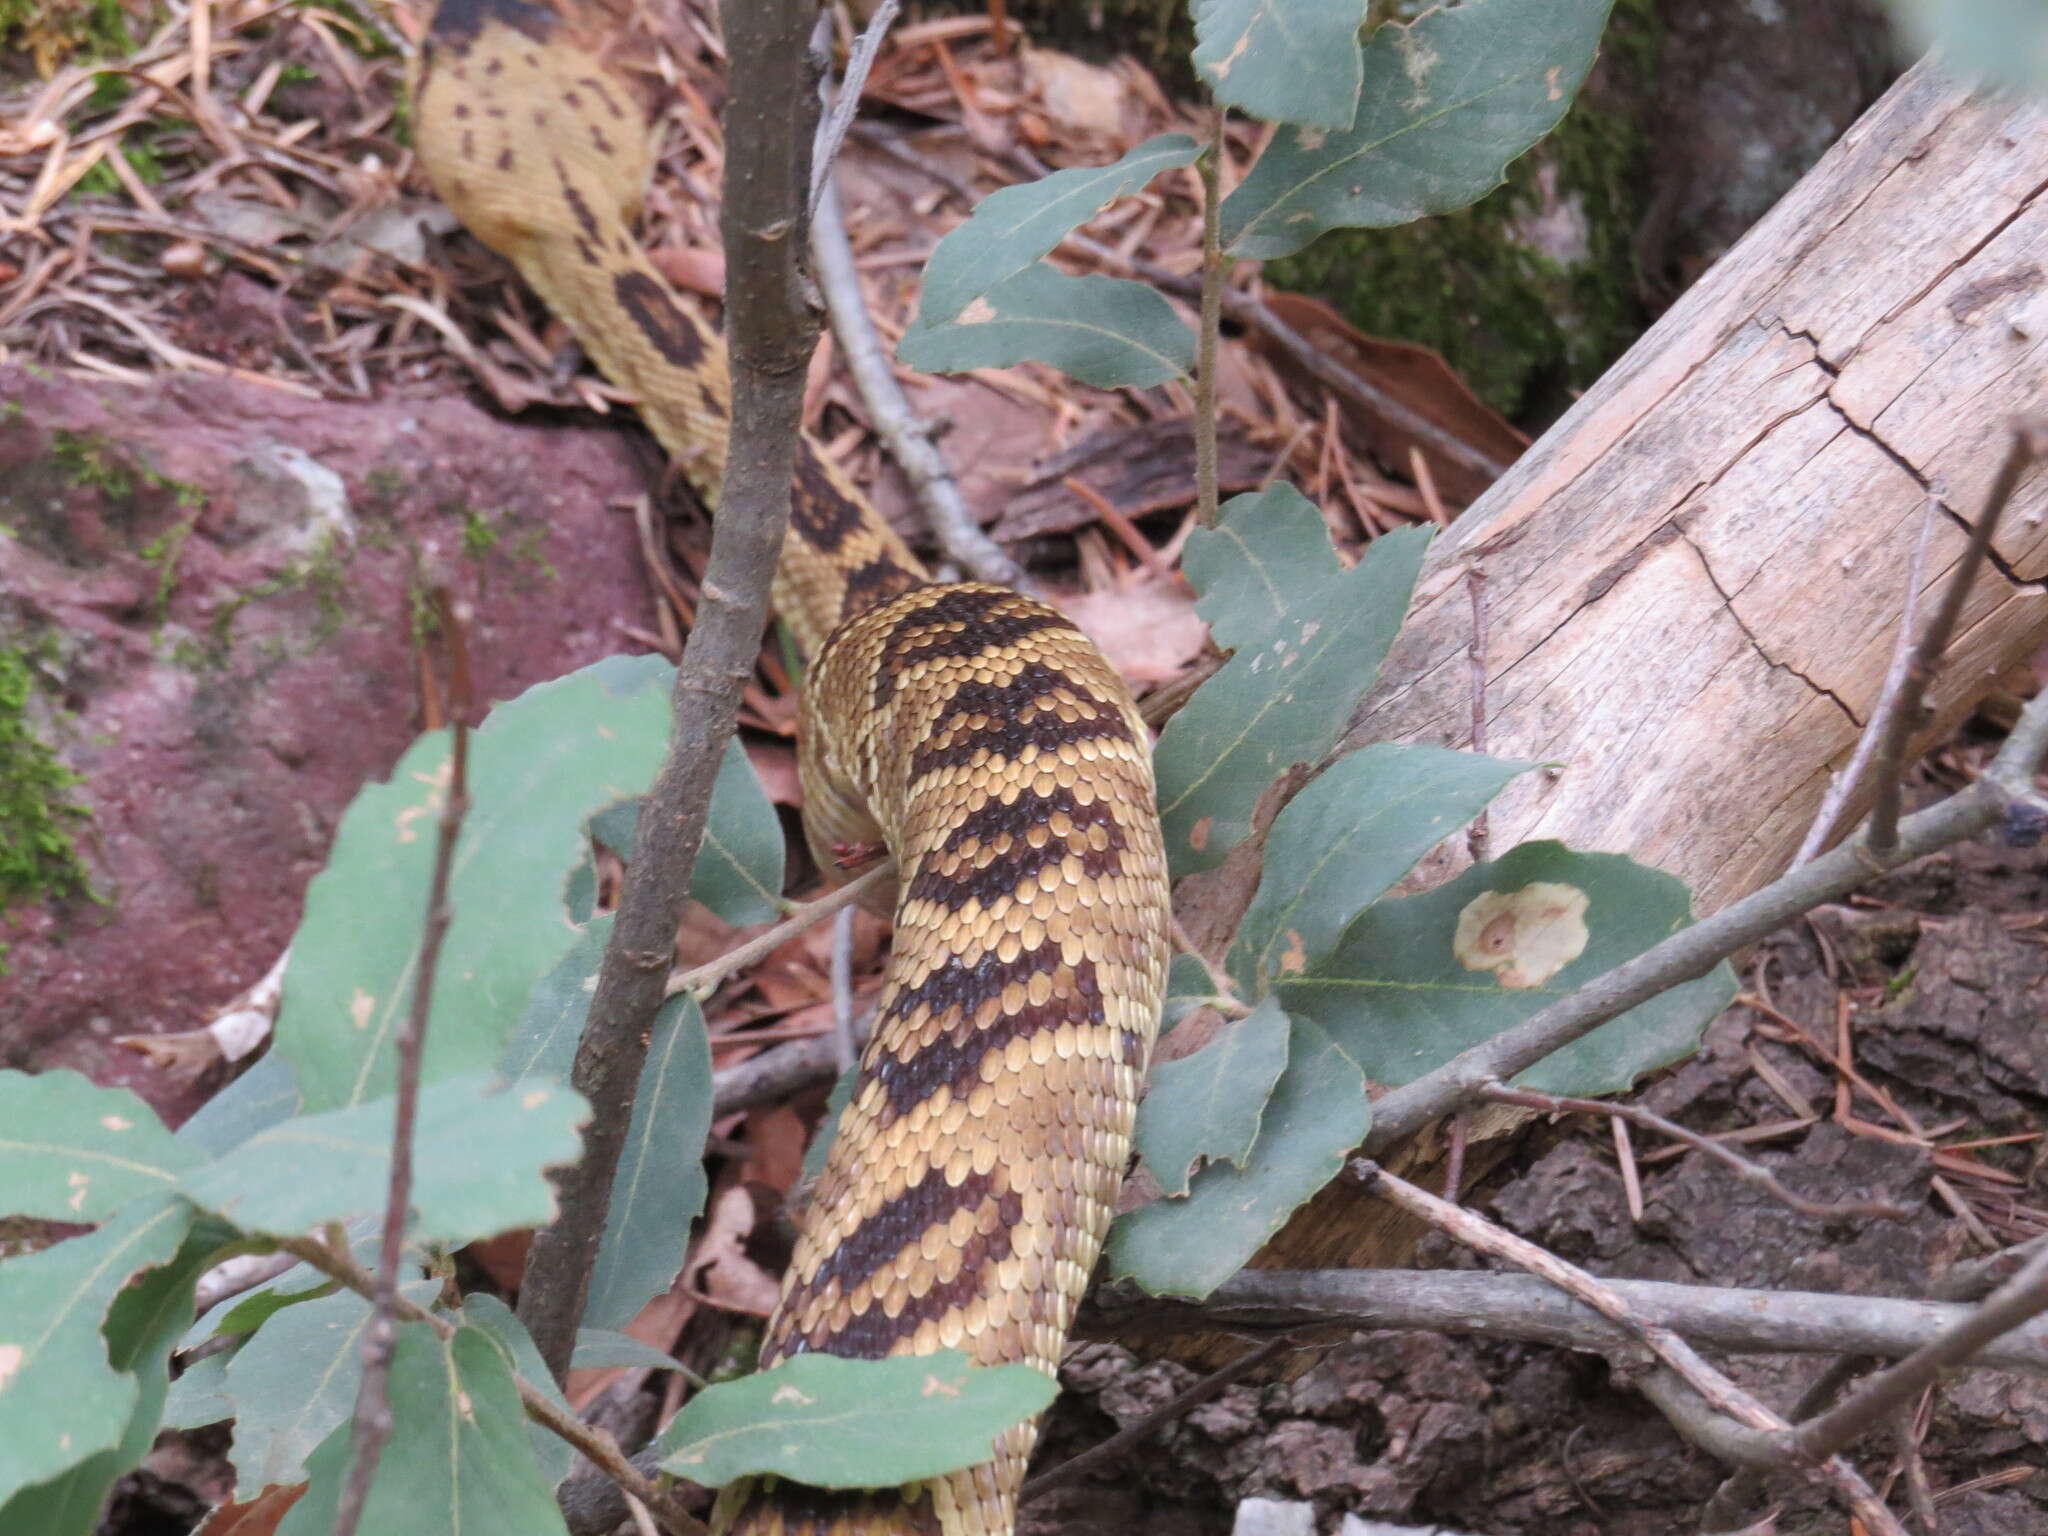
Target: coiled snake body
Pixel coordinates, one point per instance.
(973, 730)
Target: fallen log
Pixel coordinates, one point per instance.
(1693, 581)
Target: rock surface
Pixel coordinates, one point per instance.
(216, 585)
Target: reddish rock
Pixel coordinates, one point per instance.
(215, 582)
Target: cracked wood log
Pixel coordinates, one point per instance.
(1694, 579)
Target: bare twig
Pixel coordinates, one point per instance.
(1213, 277)
(1889, 759)
(372, 1424)
(703, 978)
(1909, 1429)
(1844, 784)
(2018, 1301)
(1693, 951)
(1084, 1462)
(832, 131)
(842, 989)
(771, 336)
(1767, 1433)
(1511, 1306)
(596, 1445)
(1751, 1173)
(1333, 374)
(909, 438)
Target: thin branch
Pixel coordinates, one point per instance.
(1693, 951)
(1509, 1306)
(372, 1420)
(771, 335)
(843, 1047)
(704, 978)
(907, 436)
(1752, 1173)
(1211, 327)
(2018, 1301)
(1368, 396)
(1081, 1464)
(1889, 764)
(1722, 1395)
(596, 1445)
(832, 131)
(1845, 784)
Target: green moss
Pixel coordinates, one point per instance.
(1525, 332)
(479, 533)
(324, 573)
(51, 31)
(38, 816)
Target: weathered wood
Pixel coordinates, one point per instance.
(1694, 580)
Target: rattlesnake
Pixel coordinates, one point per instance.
(973, 730)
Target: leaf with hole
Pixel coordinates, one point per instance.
(61, 1401)
(72, 1151)
(1343, 842)
(1285, 61)
(1011, 229)
(1446, 102)
(1107, 331)
(1415, 981)
(1308, 638)
(459, 1458)
(1317, 1113)
(836, 1423)
(1206, 1107)
(480, 1157)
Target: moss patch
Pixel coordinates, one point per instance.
(52, 31)
(38, 815)
(1524, 330)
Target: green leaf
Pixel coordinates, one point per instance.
(1400, 996)
(1011, 229)
(835, 1423)
(295, 1380)
(1446, 102)
(1207, 1106)
(458, 1460)
(199, 1395)
(479, 1157)
(497, 1322)
(265, 1095)
(70, 1151)
(141, 1328)
(2006, 41)
(543, 1047)
(1188, 987)
(1286, 61)
(597, 1347)
(1107, 331)
(1342, 843)
(251, 1309)
(1307, 650)
(537, 768)
(61, 1400)
(738, 873)
(1318, 1112)
(659, 1187)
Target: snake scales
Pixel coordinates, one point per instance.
(973, 730)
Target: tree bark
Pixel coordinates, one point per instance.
(1694, 580)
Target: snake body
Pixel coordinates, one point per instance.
(972, 730)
